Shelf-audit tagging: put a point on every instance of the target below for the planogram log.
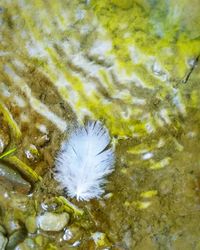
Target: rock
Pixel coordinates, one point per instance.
(4, 135)
(67, 235)
(32, 153)
(2, 144)
(49, 205)
(31, 224)
(39, 240)
(73, 234)
(128, 239)
(100, 239)
(13, 180)
(11, 224)
(3, 241)
(15, 238)
(52, 221)
(27, 244)
(2, 230)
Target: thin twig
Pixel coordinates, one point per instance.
(191, 70)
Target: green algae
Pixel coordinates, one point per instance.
(8, 117)
(154, 30)
(7, 153)
(23, 168)
(69, 207)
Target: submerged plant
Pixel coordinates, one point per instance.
(7, 153)
(84, 160)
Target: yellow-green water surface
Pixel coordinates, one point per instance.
(133, 65)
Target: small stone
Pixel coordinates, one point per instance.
(67, 235)
(2, 230)
(73, 234)
(3, 241)
(76, 243)
(15, 238)
(108, 196)
(100, 239)
(32, 153)
(13, 180)
(31, 224)
(11, 224)
(39, 240)
(128, 239)
(4, 135)
(2, 144)
(27, 244)
(52, 221)
(49, 205)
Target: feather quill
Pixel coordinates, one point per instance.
(84, 161)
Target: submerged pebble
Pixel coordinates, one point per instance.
(100, 239)
(27, 244)
(72, 234)
(2, 230)
(11, 224)
(67, 235)
(3, 241)
(13, 180)
(15, 238)
(52, 222)
(32, 153)
(4, 135)
(31, 224)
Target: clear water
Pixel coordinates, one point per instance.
(134, 66)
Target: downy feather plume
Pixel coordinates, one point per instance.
(84, 161)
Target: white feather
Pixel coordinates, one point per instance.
(84, 161)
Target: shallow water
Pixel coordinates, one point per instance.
(132, 65)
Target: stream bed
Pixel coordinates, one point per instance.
(134, 66)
